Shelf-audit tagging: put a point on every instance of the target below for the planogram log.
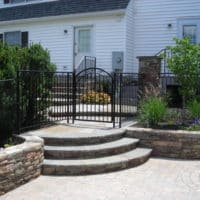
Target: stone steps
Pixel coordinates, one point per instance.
(98, 165)
(90, 151)
(72, 150)
(64, 95)
(85, 138)
(69, 89)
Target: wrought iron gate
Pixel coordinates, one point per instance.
(94, 96)
(90, 95)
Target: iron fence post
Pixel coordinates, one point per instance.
(68, 91)
(120, 100)
(18, 103)
(113, 99)
(74, 97)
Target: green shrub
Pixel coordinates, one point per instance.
(193, 127)
(13, 58)
(184, 63)
(38, 58)
(7, 110)
(152, 110)
(194, 109)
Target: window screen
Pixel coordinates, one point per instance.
(84, 41)
(13, 38)
(190, 31)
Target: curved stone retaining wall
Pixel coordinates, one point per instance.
(20, 163)
(169, 144)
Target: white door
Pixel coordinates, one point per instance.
(83, 44)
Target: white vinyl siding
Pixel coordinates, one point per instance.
(1, 3)
(151, 19)
(109, 36)
(129, 45)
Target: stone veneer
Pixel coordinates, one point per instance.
(168, 143)
(20, 163)
(149, 73)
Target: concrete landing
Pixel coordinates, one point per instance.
(157, 179)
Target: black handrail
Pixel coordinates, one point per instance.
(165, 54)
(87, 62)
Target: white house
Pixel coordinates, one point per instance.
(113, 31)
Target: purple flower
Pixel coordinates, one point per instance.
(196, 121)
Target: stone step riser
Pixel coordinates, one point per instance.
(94, 169)
(70, 89)
(64, 95)
(107, 115)
(81, 141)
(52, 154)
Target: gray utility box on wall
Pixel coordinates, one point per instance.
(117, 61)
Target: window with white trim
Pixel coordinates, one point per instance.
(189, 28)
(15, 38)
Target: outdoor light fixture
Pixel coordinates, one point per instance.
(65, 31)
(169, 25)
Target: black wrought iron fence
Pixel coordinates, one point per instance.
(127, 92)
(43, 98)
(8, 117)
(91, 95)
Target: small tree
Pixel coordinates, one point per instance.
(185, 64)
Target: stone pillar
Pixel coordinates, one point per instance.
(149, 73)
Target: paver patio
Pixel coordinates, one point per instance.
(158, 179)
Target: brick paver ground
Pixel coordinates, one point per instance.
(158, 179)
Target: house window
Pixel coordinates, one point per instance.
(189, 28)
(16, 1)
(13, 38)
(16, 38)
(190, 31)
(84, 41)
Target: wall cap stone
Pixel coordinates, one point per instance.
(168, 143)
(31, 143)
(20, 163)
(160, 131)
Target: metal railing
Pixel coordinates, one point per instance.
(165, 54)
(87, 62)
(43, 98)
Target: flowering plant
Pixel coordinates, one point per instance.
(95, 97)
